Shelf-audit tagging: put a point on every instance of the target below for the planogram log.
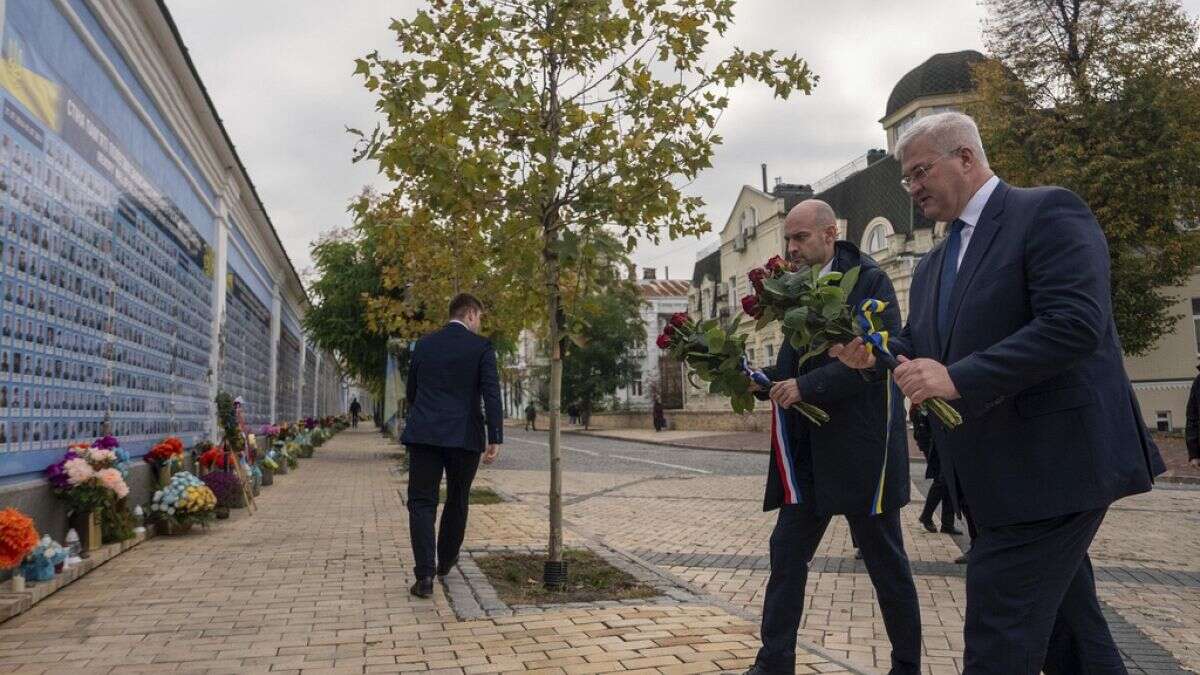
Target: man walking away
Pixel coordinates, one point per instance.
(355, 410)
(933, 469)
(1192, 430)
(530, 417)
(452, 371)
(660, 418)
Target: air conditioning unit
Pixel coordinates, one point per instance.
(739, 242)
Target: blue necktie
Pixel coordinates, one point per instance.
(949, 273)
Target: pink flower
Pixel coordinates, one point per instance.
(111, 479)
(101, 456)
(79, 471)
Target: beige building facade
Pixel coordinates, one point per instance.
(1162, 378)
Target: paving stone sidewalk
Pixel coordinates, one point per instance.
(317, 581)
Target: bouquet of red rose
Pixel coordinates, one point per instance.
(816, 316)
(716, 354)
(214, 457)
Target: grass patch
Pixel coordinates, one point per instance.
(517, 579)
(478, 496)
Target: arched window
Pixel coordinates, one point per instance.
(875, 238)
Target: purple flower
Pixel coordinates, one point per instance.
(225, 486)
(57, 474)
(107, 442)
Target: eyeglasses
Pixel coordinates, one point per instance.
(920, 173)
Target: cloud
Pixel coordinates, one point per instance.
(280, 74)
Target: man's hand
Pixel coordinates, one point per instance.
(786, 393)
(854, 354)
(1195, 461)
(493, 451)
(923, 379)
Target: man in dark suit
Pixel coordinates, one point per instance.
(1192, 423)
(1011, 320)
(451, 371)
(838, 467)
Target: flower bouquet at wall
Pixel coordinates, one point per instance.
(716, 354)
(228, 489)
(18, 537)
(213, 459)
(815, 315)
(184, 502)
(267, 464)
(166, 458)
(44, 560)
(89, 480)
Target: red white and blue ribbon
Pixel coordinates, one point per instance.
(784, 455)
(782, 451)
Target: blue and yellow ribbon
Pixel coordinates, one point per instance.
(877, 341)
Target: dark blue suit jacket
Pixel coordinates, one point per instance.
(1051, 423)
(451, 370)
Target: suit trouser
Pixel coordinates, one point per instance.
(938, 494)
(425, 466)
(798, 532)
(1031, 600)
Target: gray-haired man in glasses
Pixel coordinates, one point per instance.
(1010, 320)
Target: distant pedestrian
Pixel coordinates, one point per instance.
(530, 417)
(355, 410)
(660, 418)
(1192, 430)
(573, 412)
(933, 469)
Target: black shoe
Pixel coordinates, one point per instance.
(443, 570)
(961, 560)
(947, 530)
(423, 588)
(757, 670)
(858, 554)
(927, 521)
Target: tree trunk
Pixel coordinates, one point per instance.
(553, 301)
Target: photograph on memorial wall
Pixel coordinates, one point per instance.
(245, 369)
(106, 295)
(287, 388)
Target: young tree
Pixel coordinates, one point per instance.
(526, 127)
(337, 322)
(601, 358)
(1103, 97)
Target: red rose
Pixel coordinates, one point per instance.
(750, 306)
(664, 341)
(777, 264)
(756, 278)
(679, 319)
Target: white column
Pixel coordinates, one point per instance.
(220, 272)
(317, 385)
(276, 308)
(300, 379)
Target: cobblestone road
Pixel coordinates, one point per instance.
(697, 514)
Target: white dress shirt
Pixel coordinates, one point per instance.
(460, 323)
(971, 213)
(828, 267)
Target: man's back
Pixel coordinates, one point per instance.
(452, 371)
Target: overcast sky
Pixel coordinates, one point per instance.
(280, 74)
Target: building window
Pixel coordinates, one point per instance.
(750, 355)
(635, 384)
(733, 296)
(876, 239)
(770, 353)
(1196, 321)
(1162, 420)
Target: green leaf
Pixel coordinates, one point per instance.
(849, 280)
(795, 318)
(716, 339)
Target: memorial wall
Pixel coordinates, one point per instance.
(131, 264)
